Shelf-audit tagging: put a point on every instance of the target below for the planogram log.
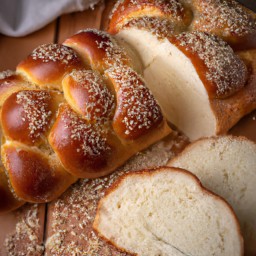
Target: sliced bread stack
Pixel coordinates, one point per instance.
(166, 211)
(227, 166)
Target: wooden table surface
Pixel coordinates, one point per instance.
(12, 51)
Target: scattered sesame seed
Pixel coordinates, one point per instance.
(26, 239)
(171, 8)
(54, 53)
(5, 74)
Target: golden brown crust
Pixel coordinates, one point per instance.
(226, 19)
(230, 110)
(151, 172)
(48, 64)
(31, 174)
(137, 112)
(125, 11)
(21, 113)
(8, 201)
(10, 82)
(81, 146)
(88, 94)
(71, 134)
(222, 72)
(98, 49)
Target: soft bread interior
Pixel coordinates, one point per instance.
(227, 166)
(167, 212)
(173, 80)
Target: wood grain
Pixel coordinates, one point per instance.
(15, 49)
(71, 23)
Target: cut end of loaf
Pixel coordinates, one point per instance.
(199, 74)
(167, 212)
(168, 70)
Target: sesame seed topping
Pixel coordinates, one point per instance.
(115, 54)
(100, 102)
(224, 68)
(139, 108)
(26, 239)
(228, 16)
(159, 27)
(171, 7)
(54, 53)
(36, 111)
(91, 142)
(7, 73)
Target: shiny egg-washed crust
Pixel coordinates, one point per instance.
(219, 39)
(76, 110)
(224, 18)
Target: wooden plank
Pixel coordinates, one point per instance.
(15, 49)
(69, 24)
(246, 127)
(22, 231)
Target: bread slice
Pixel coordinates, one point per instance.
(227, 166)
(164, 212)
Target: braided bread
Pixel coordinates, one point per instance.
(202, 53)
(76, 110)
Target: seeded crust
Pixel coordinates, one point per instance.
(231, 109)
(224, 18)
(64, 118)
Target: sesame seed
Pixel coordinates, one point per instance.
(53, 53)
(159, 27)
(140, 109)
(100, 102)
(171, 7)
(92, 142)
(5, 74)
(36, 111)
(226, 16)
(26, 239)
(224, 68)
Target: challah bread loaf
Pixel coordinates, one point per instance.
(208, 87)
(166, 211)
(76, 110)
(227, 166)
